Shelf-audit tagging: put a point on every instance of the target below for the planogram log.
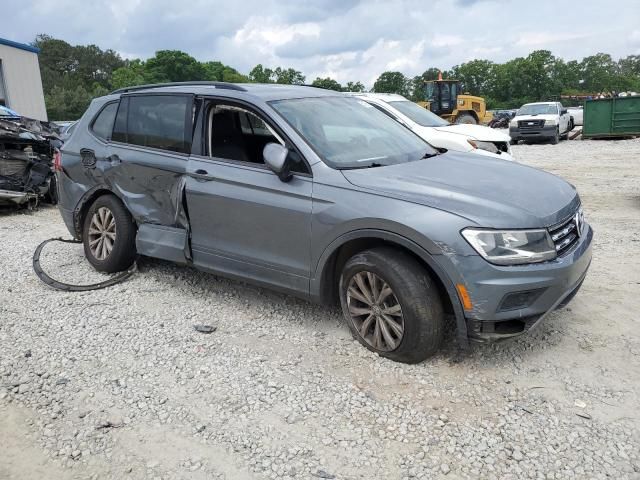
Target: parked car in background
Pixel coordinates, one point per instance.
(438, 132)
(66, 129)
(577, 116)
(321, 195)
(547, 121)
(26, 159)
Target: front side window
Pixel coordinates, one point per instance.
(103, 123)
(157, 121)
(347, 132)
(235, 133)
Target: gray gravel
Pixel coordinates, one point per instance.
(118, 384)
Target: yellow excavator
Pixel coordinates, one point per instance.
(444, 98)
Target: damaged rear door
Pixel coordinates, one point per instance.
(147, 159)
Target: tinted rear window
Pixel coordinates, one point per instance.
(103, 123)
(157, 121)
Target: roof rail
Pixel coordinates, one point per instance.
(228, 86)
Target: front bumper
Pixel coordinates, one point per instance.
(546, 131)
(511, 300)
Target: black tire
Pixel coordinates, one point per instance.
(513, 141)
(51, 196)
(466, 118)
(416, 293)
(123, 251)
(556, 138)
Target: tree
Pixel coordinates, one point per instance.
(288, 76)
(599, 73)
(354, 87)
(475, 76)
(327, 83)
(259, 74)
(129, 75)
(392, 82)
(173, 66)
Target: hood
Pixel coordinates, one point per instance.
(477, 132)
(542, 116)
(488, 191)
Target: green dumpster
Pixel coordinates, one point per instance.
(611, 117)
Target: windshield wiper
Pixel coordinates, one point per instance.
(363, 165)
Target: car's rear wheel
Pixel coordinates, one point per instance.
(109, 235)
(391, 305)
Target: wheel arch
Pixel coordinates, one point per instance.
(85, 203)
(324, 285)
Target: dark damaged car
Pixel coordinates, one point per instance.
(27, 149)
(321, 195)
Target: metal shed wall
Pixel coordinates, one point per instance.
(22, 81)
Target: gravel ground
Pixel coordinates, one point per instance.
(117, 384)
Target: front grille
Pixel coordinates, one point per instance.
(530, 124)
(566, 234)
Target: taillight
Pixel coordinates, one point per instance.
(57, 161)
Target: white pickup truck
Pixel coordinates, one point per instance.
(540, 121)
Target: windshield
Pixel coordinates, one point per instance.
(418, 114)
(349, 133)
(538, 109)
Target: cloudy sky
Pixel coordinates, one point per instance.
(344, 39)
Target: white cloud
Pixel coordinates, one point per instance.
(541, 39)
(346, 39)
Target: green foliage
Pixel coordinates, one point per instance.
(73, 75)
(327, 83)
(260, 74)
(392, 82)
(354, 87)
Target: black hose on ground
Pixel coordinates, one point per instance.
(42, 275)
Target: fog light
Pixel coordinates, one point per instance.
(518, 300)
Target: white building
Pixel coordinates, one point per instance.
(20, 82)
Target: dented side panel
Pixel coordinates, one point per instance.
(149, 182)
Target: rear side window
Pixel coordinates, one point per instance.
(156, 121)
(103, 123)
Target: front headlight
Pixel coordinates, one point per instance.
(511, 247)
(513, 123)
(488, 146)
(551, 122)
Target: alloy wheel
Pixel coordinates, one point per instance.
(375, 311)
(102, 233)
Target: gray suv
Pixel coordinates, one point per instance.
(320, 195)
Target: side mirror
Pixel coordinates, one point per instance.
(563, 111)
(276, 157)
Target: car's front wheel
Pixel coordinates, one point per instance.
(392, 305)
(109, 235)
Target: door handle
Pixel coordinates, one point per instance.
(201, 175)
